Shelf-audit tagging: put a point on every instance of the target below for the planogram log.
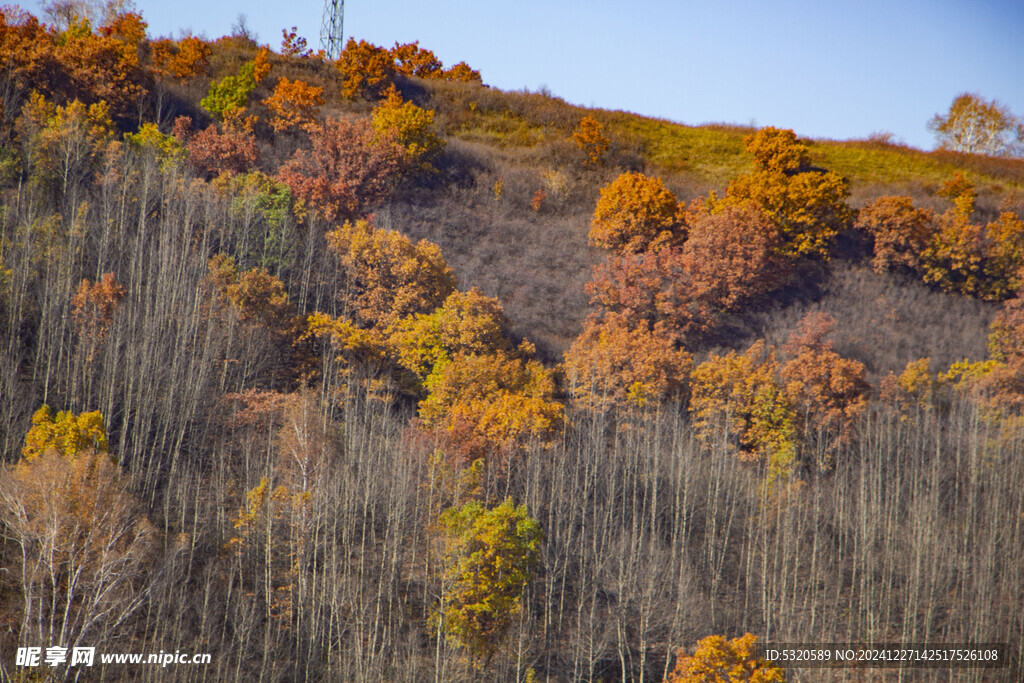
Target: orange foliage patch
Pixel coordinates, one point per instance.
(613, 363)
(636, 213)
(366, 70)
(294, 104)
(725, 661)
(187, 58)
(589, 137)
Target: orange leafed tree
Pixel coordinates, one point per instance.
(589, 137)
(261, 65)
(259, 297)
(1003, 383)
(128, 27)
(807, 206)
(387, 276)
(184, 59)
(413, 60)
(27, 56)
(636, 213)
(462, 73)
(366, 70)
(615, 364)
(97, 67)
(73, 64)
(777, 150)
(468, 323)
(488, 406)
(294, 104)
(719, 660)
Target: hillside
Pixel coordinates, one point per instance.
(364, 370)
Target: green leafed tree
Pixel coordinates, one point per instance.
(489, 556)
(230, 94)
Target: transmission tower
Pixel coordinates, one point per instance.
(331, 29)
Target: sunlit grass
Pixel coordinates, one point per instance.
(712, 154)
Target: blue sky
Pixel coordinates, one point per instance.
(823, 68)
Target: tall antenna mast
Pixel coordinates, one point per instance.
(331, 29)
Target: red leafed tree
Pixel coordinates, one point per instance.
(294, 45)
(728, 260)
(348, 171)
(217, 149)
(828, 391)
(731, 256)
(900, 230)
(94, 305)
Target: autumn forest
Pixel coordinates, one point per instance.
(360, 369)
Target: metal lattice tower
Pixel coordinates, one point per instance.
(331, 29)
